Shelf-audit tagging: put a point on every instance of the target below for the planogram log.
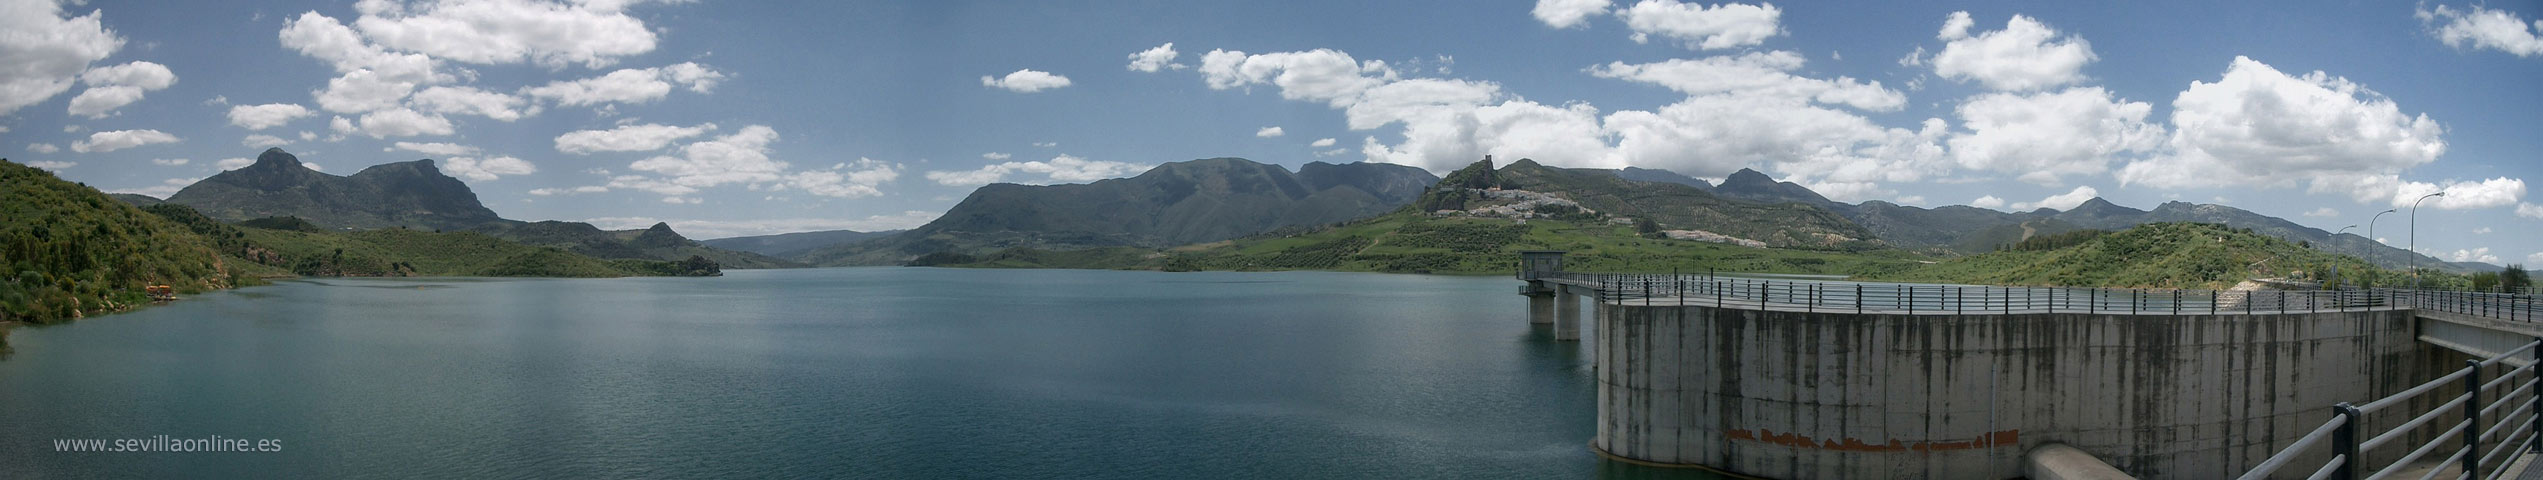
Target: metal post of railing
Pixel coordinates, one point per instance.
(2093, 301)
(1960, 297)
(1858, 299)
(2537, 421)
(2344, 441)
(2176, 301)
(2472, 420)
(2134, 295)
(2212, 295)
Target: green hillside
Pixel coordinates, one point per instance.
(289, 244)
(2153, 255)
(70, 251)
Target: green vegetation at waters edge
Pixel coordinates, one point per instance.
(1408, 242)
(2156, 255)
(68, 251)
(298, 247)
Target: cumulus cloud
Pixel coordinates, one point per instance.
(436, 148)
(2025, 55)
(1699, 27)
(168, 162)
(260, 117)
(594, 34)
(1321, 142)
(2044, 136)
(486, 168)
(1025, 81)
(363, 91)
(54, 165)
(233, 163)
(2495, 192)
(1269, 132)
(44, 50)
(404, 122)
(1060, 169)
(736, 228)
(1154, 59)
(741, 157)
(568, 191)
(2529, 210)
(628, 138)
(471, 101)
(2258, 127)
(1568, 13)
(2062, 201)
(1759, 73)
(631, 85)
(1322, 75)
(162, 190)
(262, 141)
(845, 180)
(2481, 254)
(121, 139)
(995, 156)
(113, 87)
(2324, 212)
(2483, 27)
(42, 148)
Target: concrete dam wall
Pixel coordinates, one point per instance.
(1842, 395)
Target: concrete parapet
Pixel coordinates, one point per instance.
(1567, 313)
(2058, 461)
(1839, 395)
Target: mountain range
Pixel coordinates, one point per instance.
(416, 195)
(1173, 204)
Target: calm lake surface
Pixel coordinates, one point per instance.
(858, 372)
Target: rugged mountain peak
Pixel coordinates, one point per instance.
(1748, 178)
(660, 235)
(2102, 208)
(1477, 175)
(275, 158)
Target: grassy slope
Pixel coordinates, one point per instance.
(70, 251)
(2155, 255)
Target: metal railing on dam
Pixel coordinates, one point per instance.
(1899, 298)
(2479, 421)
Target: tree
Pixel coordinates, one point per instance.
(1648, 228)
(2514, 279)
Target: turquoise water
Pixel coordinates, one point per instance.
(863, 372)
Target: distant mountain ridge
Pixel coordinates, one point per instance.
(1173, 204)
(415, 194)
(789, 245)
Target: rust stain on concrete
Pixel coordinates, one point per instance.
(1991, 440)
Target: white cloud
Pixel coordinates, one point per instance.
(1269, 132)
(2495, 192)
(342, 126)
(1568, 13)
(121, 139)
(2484, 28)
(113, 87)
(631, 85)
(2529, 210)
(568, 191)
(1321, 142)
(170, 162)
(54, 165)
(1322, 75)
(628, 138)
(1333, 152)
(846, 180)
(313, 166)
(362, 91)
(162, 190)
(44, 50)
(2260, 128)
(263, 141)
(2481, 254)
(1060, 169)
(2481, 231)
(553, 34)
(1025, 81)
(1699, 27)
(2324, 212)
(995, 156)
(1756, 73)
(487, 168)
(324, 38)
(2044, 136)
(741, 157)
(1154, 59)
(260, 117)
(649, 184)
(1046, 144)
(682, 200)
(404, 122)
(736, 228)
(233, 163)
(2025, 55)
(2063, 201)
(471, 101)
(42, 148)
(436, 148)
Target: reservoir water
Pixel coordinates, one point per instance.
(860, 372)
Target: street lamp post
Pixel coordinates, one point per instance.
(2370, 237)
(2415, 237)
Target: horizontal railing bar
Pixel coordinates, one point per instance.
(2521, 429)
(2525, 431)
(2503, 398)
(2504, 376)
(2520, 412)
(2287, 454)
(2379, 404)
(2414, 424)
(2327, 468)
(2510, 353)
(2423, 450)
(2441, 464)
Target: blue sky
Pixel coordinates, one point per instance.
(728, 118)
